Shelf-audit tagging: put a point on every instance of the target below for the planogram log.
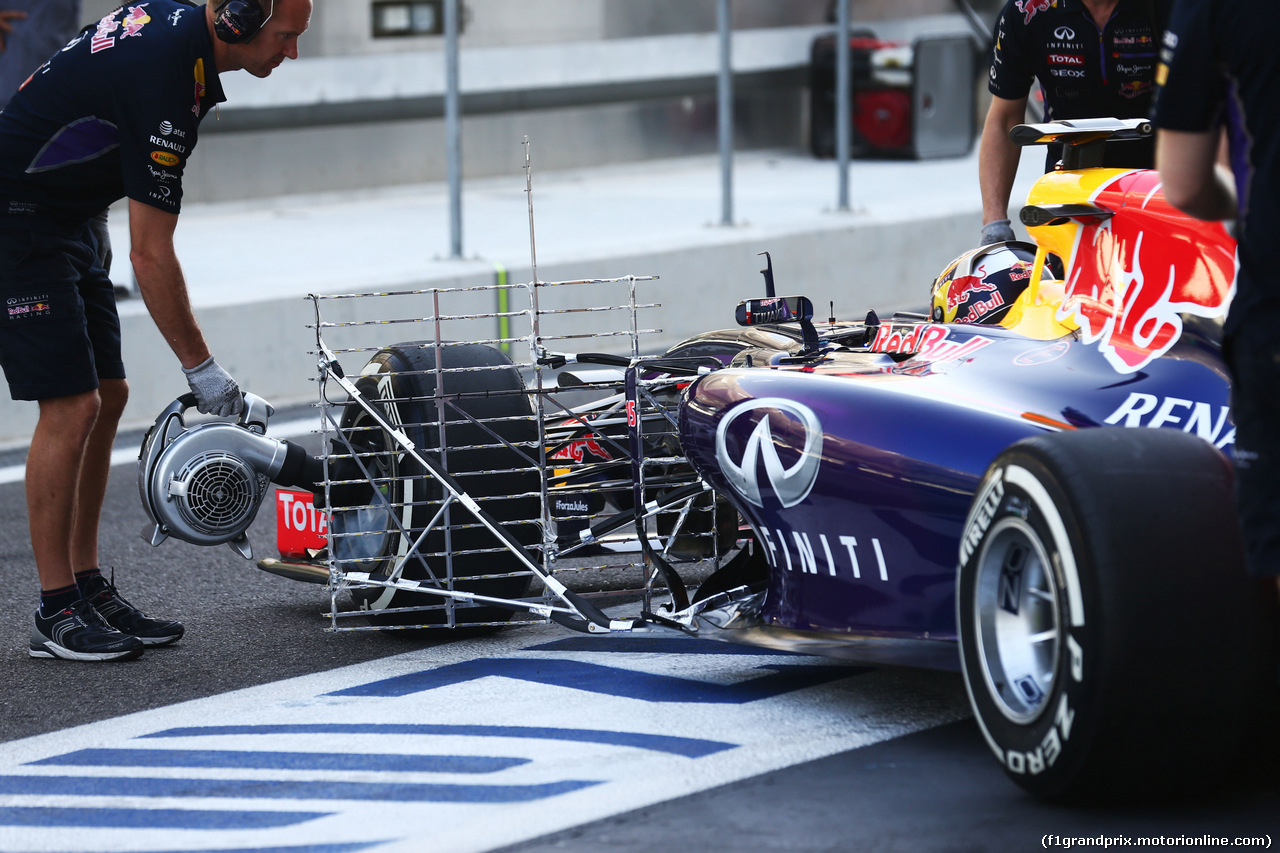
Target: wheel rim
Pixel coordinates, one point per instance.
(369, 532)
(1016, 612)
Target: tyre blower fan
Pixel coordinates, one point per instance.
(204, 484)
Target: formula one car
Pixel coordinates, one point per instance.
(1030, 483)
(1110, 640)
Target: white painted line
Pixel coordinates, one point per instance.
(467, 746)
(129, 455)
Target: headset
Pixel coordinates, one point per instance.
(238, 21)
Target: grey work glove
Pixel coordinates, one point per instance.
(999, 231)
(216, 392)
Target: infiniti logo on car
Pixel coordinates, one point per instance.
(791, 485)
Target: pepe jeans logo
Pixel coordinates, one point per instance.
(790, 484)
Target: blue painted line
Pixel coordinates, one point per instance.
(689, 747)
(373, 762)
(608, 680)
(653, 645)
(284, 789)
(89, 818)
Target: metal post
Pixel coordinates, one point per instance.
(844, 91)
(452, 127)
(724, 98)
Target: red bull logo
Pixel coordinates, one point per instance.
(1136, 89)
(981, 308)
(577, 450)
(135, 20)
(1031, 7)
(1131, 276)
(30, 311)
(929, 341)
(960, 289)
(198, 73)
(102, 35)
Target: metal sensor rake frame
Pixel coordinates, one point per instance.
(629, 417)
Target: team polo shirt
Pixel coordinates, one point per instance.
(113, 114)
(1220, 68)
(1084, 71)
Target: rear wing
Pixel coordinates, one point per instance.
(1083, 139)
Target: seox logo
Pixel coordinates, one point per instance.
(1132, 275)
(741, 463)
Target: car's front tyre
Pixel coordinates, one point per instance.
(1113, 646)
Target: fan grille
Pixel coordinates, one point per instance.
(221, 495)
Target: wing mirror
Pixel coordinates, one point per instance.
(774, 309)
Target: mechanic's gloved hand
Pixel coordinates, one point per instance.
(999, 231)
(216, 392)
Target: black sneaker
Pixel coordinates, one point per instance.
(127, 619)
(79, 633)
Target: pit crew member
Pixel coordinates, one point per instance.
(1093, 59)
(112, 115)
(1219, 69)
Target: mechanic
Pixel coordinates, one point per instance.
(1219, 70)
(1093, 58)
(112, 115)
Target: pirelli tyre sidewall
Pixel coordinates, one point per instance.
(1113, 647)
(1017, 506)
(400, 381)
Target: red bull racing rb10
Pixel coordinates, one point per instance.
(1030, 483)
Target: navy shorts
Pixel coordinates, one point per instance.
(59, 333)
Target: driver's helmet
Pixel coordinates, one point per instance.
(981, 285)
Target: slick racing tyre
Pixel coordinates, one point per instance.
(1113, 646)
(400, 380)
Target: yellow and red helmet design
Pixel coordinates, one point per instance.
(981, 285)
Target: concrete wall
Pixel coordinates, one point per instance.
(343, 27)
(356, 112)
(267, 347)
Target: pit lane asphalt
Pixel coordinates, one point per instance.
(244, 626)
(938, 790)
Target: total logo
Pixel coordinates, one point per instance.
(791, 484)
